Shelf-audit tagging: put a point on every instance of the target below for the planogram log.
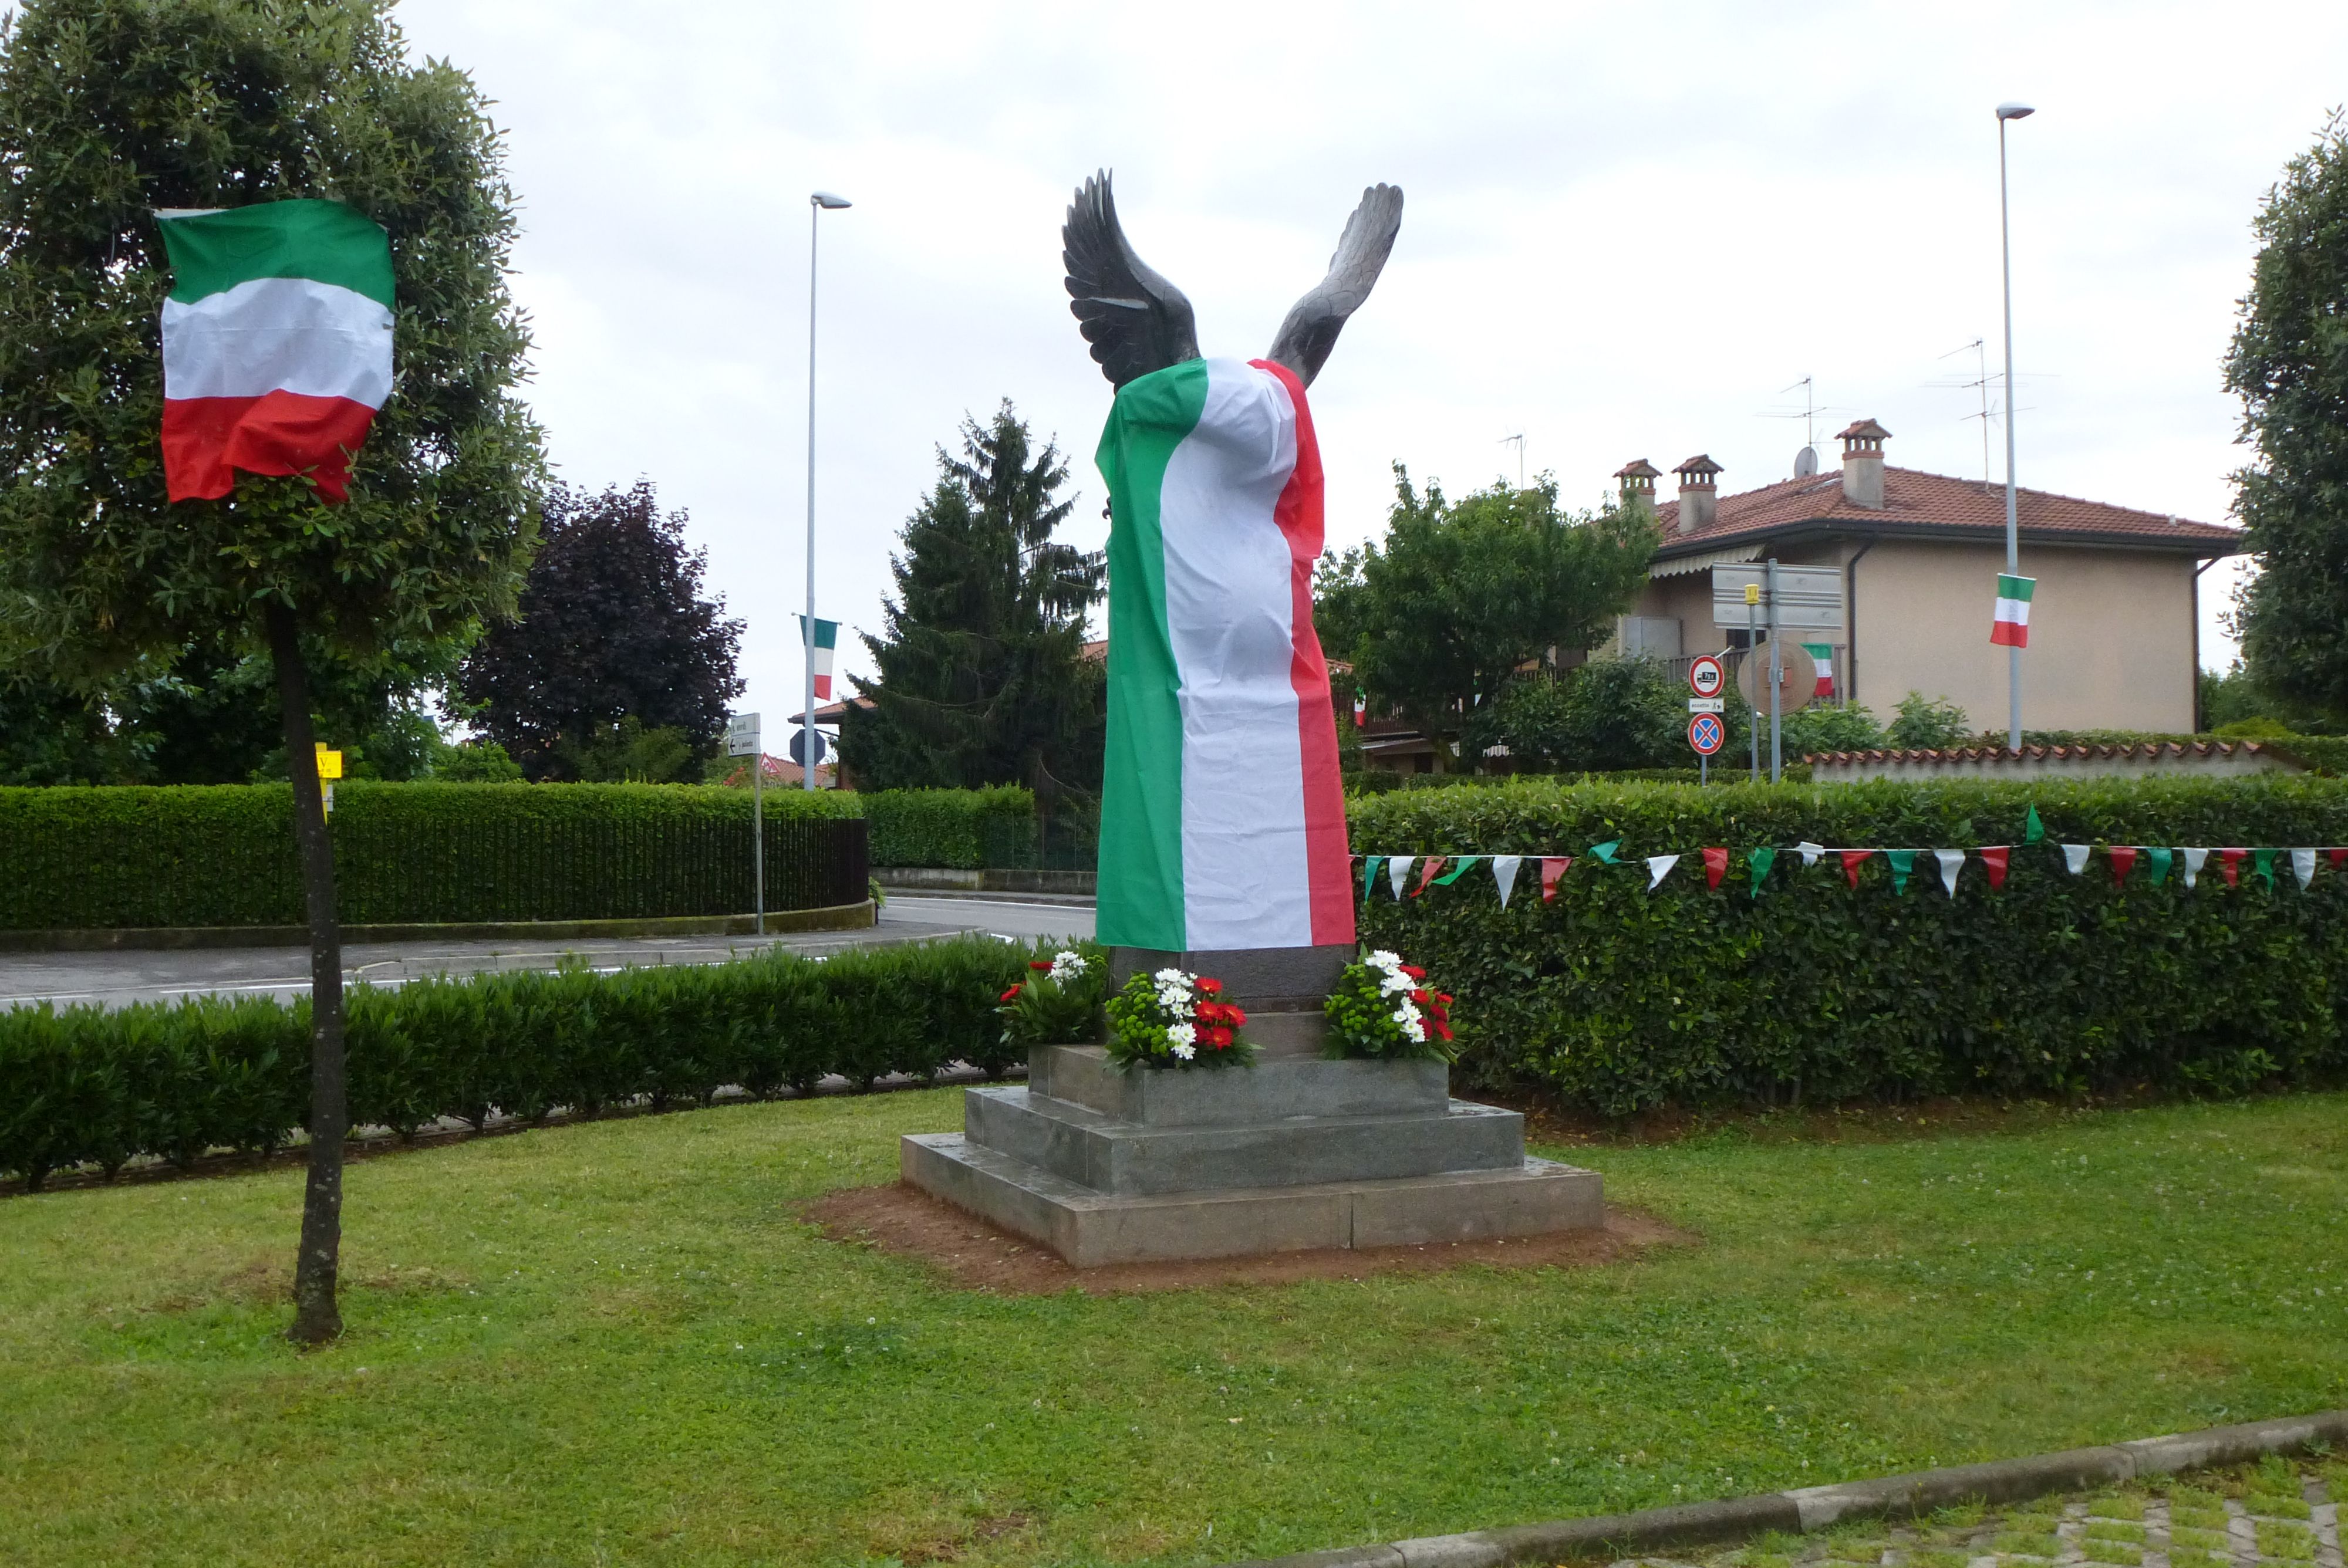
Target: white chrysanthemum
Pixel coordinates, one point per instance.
(1066, 966)
(1397, 985)
(1384, 959)
(1186, 1052)
(1183, 1035)
(1171, 977)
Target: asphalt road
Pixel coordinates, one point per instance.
(117, 978)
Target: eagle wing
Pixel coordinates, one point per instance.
(1311, 330)
(1135, 321)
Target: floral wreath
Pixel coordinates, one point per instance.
(1175, 1019)
(1382, 1007)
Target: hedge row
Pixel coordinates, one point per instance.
(963, 829)
(424, 853)
(81, 1085)
(1620, 999)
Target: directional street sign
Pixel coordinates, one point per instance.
(1809, 597)
(1705, 677)
(742, 735)
(1705, 733)
(1707, 704)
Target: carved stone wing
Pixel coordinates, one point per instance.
(1135, 321)
(1311, 330)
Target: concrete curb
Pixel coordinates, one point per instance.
(830, 918)
(1816, 1507)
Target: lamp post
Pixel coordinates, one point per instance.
(2012, 527)
(818, 202)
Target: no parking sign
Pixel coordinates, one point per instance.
(1705, 733)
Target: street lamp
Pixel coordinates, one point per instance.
(818, 201)
(2012, 528)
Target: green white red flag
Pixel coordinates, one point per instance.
(1822, 655)
(276, 344)
(2011, 626)
(821, 649)
(1222, 817)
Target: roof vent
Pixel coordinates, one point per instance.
(1699, 493)
(1862, 464)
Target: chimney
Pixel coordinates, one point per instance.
(1862, 464)
(1638, 477)
(1699, 493)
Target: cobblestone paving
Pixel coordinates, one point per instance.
(2276, 1514)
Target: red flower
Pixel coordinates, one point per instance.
(1208, 1012)
(1220, 1039)
(1236, 1013)
(1419, 996)
(1209, 988)
(1443, 1029)
(1039, 963)
(1414, 971)
(1009, 994)
(1443, 996)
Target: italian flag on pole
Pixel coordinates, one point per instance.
(276, 344)
(2011, 629)
(1222, 819)
(821, 648)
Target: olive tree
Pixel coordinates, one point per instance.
(112, 108)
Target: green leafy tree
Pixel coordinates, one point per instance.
(112, 108)
(982, 674)
(1829, 727)
(1608, 714)
(1460, 596)
(2289, 364)
(1927, 723)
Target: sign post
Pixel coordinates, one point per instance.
(1705, 733)
(1752, 641)
(742, 741)
(1777, 682)
(1706, 679)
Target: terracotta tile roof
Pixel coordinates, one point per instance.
(2146, 751)
(1916, 502)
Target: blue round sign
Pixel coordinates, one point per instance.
(1706, 735)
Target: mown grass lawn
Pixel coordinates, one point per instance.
(613, 1343)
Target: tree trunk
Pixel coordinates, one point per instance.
(316, 1318)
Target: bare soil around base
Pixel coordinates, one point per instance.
(906, 1222)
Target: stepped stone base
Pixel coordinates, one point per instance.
(1089, 1228)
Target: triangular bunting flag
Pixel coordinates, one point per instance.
(2263, 866)
(1759, 864)
(1428, 868)
(2195, 859)
(1552, 867)
(1902, 861)
(1458, 870)
(1398, 873)
(1658, 868)
(1809, 852)
(2303, 865)
(2157, 861)
(2229, 861)
(2123, 862)
(2075, 857)
(1716, 866)
(1370, 872)
(1605, 852)
(1953, 861)
(2032, 830)
(1504, 874)
(1995, 860)
(1851, 861)
(2339, 858)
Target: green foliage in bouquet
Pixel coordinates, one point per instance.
(1383, 1008)
(1059, 1003)
(1173, 1019)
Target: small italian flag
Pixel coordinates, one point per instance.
(276, 344)
(1223, 818)
(821, 649)
(2012, 627)
(1822, 655)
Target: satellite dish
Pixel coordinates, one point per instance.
(1806, 463)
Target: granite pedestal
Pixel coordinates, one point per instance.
(1296, 1151)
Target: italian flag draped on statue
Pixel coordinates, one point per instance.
(276, 344)
(1223, 818)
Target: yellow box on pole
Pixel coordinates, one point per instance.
(330, 763)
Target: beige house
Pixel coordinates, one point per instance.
(2115, 636)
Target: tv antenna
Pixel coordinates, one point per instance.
(1806, 462)
(1520, 439)
(1980, 351)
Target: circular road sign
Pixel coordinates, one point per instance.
(1797, 678)
(1705, 733)
(1705, 677)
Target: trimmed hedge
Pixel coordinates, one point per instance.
(81, 858)
(1621, 999)
(961, 829)
(82, 1085)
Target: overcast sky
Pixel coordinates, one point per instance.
(1628, 230)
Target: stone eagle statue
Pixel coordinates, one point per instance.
(1223, 818)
